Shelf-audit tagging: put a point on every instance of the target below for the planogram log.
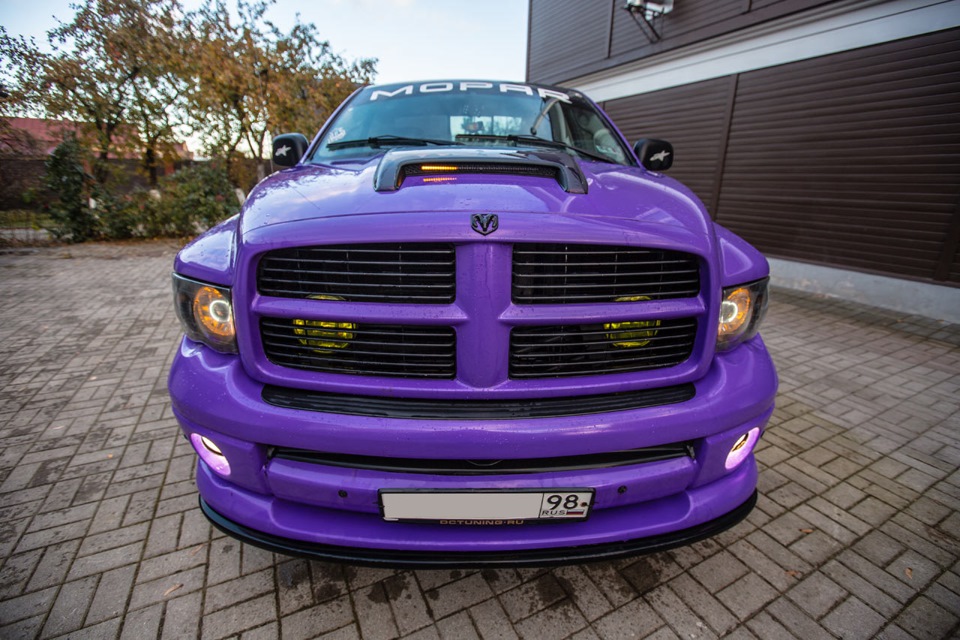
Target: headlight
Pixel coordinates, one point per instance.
(741, 312)
(206, 313)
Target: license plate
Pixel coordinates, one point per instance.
(485, 507)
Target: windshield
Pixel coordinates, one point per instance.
(471, 114)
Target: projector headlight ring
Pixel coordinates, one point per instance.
(742, 309)
(206, 313)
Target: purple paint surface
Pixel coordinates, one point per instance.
(314, 204)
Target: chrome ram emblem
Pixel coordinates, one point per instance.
(484, 223)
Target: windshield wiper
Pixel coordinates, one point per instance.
(535, 141)
(379, 141)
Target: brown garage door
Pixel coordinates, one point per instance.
(851, 159)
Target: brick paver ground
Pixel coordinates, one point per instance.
(856, 535)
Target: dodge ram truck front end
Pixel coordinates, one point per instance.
(469, 326)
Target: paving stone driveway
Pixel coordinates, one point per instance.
(856, 534)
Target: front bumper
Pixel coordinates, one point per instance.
(333, 512)
(429, 559)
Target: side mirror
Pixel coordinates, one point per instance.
(288, 148)
(656, 155)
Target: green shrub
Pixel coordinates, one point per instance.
(72, 217)
(196, 198)
(118, 217)
(184, 204)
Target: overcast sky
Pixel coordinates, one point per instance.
(413, 39)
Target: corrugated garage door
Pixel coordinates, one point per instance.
(850, 160)
(693, 118)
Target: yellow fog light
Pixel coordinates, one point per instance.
(632, 339)
(214, 313)
(628, 336)
(324, 335)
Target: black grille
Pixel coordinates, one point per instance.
(407, 273)
(570, 273)
(507, 409)
(360, 349)
(490, 467)
(596, 349)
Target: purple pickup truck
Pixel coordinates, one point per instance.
(469, 325)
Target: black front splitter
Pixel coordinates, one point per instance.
(404, 559)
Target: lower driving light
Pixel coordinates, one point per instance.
(742, 448)
(211, 454)
(630, 335)
(324, 335)
(633, 338)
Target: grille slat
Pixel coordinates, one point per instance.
(490, 467)
(560, 298)
(575, 350)
(598, 285)
(395, 331)
(359, 355)
(617, 257)
(361, 349)
(353, 260)
(500, 409)
(625, 363)
(600, 274)
(333, 283)
(586, 342)
(571, 273)
(360, 297)
(370, 343)
(402, 273)
(678, 347)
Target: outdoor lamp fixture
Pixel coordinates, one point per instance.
(646, 13)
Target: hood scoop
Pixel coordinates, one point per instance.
(398, 164)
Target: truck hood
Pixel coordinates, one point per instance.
(308, 192)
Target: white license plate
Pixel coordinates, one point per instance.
(485, 507)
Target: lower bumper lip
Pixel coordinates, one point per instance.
(298, 528)
(410, 559)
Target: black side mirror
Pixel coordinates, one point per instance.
(288, 148)
(656, 155)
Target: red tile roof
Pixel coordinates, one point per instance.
(39, 136)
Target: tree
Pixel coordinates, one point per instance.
(252, 79)
(14, 65)
(133, 74)
(102, 60)
(314, 82)
(159, 90)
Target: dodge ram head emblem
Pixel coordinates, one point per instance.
(484, 223)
